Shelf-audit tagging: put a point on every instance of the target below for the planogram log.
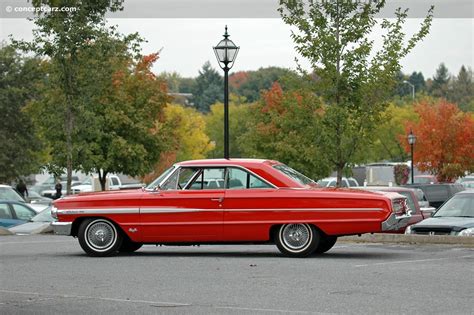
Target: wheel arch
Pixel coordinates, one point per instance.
(77, 223)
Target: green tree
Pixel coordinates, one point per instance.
(440, 83)
(21, 149)
(385, 145)
(208, 89)
(258, 81)
(62, 36)
(239, 115)
(462, 90)
(354, 80)
(187, 129)
(283, 126)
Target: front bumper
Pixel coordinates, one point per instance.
(62, 228)
(394, 222)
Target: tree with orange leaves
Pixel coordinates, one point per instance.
(444, 139)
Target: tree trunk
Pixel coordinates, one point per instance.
(102, 179)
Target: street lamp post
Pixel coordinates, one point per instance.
(412, 88)
(411, 141)
(226, 52)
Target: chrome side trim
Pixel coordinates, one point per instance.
(99, 211)
(62, 228)
(172, 210)
(149, 210)
(308, 209)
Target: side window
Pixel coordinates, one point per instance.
(209, 178)
(344, 183)
(22, 212)
(5, 212)
(332, 184)
(115, 181)
(240, 179)
(237, 179)
(180, 178)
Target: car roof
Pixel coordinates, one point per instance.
(466, 192)
(240, 162)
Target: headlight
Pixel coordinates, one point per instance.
(408, 230)
(467, 232)
(54, 212)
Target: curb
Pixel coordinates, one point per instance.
(465, 241)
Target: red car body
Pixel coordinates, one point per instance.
(210, 210)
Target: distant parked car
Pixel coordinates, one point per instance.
(425, 206)
(455, 217)
(437, 194)
(468, 185)
(14, 212)
(114, 183)
(425, 179)
(331, 182)
(7, 193)
(34, 197)
(417, 214)
(49, 184)
(40, 223)
(468, 178)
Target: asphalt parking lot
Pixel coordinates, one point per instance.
(46, 274)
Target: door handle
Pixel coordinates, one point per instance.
(220, 199)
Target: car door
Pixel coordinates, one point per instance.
(187, 208)
(7, 219)
(248, 206)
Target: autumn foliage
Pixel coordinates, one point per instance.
(445, 139)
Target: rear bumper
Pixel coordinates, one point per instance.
(394, 222)
(62, 228)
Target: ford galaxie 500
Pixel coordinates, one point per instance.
(226, 202)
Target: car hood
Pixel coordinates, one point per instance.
(446, 222)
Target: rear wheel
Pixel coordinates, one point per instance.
(325, 244)
(129, 246)
(99, 237)
(297, 239)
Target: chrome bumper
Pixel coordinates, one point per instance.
(394, 222)
(62, 228)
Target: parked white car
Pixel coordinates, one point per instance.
(331, 182)
(92, 184)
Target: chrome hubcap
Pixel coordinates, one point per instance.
(296, 236)
(101, 235)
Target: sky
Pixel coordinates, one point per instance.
(265, 41)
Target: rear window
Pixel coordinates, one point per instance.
(295, 175)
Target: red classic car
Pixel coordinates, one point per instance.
(226, 202)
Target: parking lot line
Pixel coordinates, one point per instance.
(35, 242)
(262, 310)
(410, 261)
(97, 298)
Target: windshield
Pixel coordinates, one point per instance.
(457, 206)
(158, 181)
(296, 176)
(9, 194)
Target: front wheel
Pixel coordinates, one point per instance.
(297, 239)
(99, 237)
